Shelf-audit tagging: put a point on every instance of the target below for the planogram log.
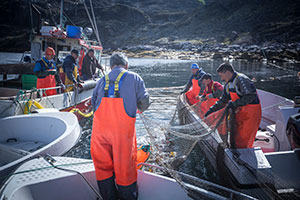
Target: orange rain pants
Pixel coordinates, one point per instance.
(80, 61)
(47, 82)
(113, 142)
(213, 119)
(248, 119)
(193, 93)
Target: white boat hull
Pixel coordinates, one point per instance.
(26, 136)
(13, 104)
(49, 183)
(276, 111)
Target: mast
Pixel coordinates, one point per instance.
(61, 14)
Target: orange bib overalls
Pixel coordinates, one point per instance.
(247, 123)
(193, 93)
(47, 82)
(113, 141)
(213, 119)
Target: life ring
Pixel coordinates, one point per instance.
(28, 106)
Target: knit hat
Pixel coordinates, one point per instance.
(194, 66)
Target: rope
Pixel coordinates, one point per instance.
(93, 25)
(174, 175)
(16, 99)
(166, 166)
(47, 98)
(97, 32)
(252, 170)
(81, 113)
(50, 160)
(202, 181)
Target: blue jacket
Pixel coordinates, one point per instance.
(199, 74)
(132, 91)
(68, 67)
(40, 69)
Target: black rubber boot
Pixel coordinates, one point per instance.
(129, 192)
(108, 189)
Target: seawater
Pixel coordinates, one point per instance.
(165, 79)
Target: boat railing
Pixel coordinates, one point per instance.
(230, 194)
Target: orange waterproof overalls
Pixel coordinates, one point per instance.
(113, 141)
(247, 123)
(213, 119)
(193, 92)
(80, 61)
(48, 81)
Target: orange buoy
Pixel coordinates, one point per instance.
(143, 154)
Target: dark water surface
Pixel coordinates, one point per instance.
(170, 73)
(164, 80)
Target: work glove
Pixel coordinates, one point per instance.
(208, 113)
(231, 105)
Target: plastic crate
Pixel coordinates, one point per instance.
(74, 31)
(28, 81)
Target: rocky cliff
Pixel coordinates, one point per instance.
(124, 23)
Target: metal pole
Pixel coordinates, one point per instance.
(61, 14)
(31, 19)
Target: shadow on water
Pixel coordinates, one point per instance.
(164, 80)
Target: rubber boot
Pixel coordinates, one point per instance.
(129, 192)
(107, 188)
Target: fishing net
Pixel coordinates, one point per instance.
(173, 141)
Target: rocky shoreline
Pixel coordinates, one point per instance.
(275, 54)
(256, 30)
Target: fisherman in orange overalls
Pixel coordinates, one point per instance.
(241, 96)
(192, 88)
(45, 70)
(115, 101)
(212, 92)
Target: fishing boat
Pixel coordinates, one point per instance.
(73, 178)
(27, 136)
(269, 169)
(18, 93)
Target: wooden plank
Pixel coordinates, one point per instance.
(17, 68)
